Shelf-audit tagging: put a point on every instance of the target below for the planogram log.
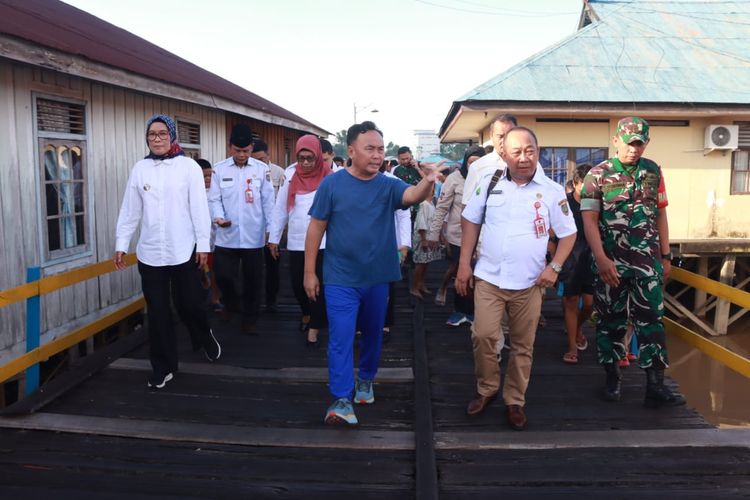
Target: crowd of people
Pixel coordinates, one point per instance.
(509, 232)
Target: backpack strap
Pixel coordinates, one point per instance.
(493, 182)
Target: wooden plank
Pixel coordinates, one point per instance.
(19, 293)
(52, 283)
(296, 374)
(735, 296)
(215, 434)
(676, 306)
(658, 473)
(83, 370)
(62, 280)
(732, 360)
(221, 400)
(610, 439)
(720, 246)
(721, 316)
(427, 479)
(39, 464)
(700, 295)
(51, 348)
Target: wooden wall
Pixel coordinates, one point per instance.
(115, 141)
(280, 140)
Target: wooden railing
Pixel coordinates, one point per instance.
(31, 292)
(722, 291)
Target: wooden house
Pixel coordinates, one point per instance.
(75, 93)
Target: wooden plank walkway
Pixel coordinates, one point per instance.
(250, 426)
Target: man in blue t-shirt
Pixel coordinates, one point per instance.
(354, 208)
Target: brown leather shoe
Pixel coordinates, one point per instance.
(478, 404)
(516, 417)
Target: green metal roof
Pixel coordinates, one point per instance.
(641, 51)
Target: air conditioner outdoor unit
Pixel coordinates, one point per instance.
(722, 136)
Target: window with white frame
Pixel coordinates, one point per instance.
(559, 163)
(61, 137)
(741, 162)
(189, 137)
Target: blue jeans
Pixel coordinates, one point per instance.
(348, 307)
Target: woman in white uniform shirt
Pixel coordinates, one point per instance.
(166, 196)
(292, 206)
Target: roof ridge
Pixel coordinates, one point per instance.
(69, 29)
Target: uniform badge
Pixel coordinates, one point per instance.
(268, 176)
(479, 190)
(146, 187)
(564, 207)
(539, 196)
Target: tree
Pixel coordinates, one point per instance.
(454, 150)
(339, 148)
(391, 149)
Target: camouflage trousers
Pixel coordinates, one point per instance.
(638, 299)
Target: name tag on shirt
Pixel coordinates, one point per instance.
(226, 182)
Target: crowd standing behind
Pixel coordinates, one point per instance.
(349, 227)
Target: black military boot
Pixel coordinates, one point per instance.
(611, 390)
(657, 394)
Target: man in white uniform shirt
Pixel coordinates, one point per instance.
(241, 204)
(273, 271)
(489, 163)
(517, 211)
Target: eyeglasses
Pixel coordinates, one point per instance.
(162, 134)
(305, 159)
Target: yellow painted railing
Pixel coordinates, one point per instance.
(50, 284)
(736, 296)
(712, 287)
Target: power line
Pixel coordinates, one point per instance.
(495, 13)
(511, 11)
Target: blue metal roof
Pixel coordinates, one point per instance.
(639, 51)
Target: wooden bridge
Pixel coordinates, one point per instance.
(251, 425)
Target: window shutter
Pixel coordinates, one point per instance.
(744, 135)
(57, 116)
(188, 133)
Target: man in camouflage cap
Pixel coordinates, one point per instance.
(623, 203)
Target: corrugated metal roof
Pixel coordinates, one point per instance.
(54, 24)
(656, 51)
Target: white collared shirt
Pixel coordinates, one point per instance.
(226, 199)
(298, 218)
(403, 222)
(278, 178)
(485, 165)
(168, 199)
(511, 256)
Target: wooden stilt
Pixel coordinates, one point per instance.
(721, 319)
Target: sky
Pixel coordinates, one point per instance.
(407, 59)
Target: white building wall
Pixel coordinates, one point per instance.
(428, 143)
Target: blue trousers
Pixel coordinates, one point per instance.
(345, 305)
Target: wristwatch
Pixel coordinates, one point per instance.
(555, 267)
(667, 256)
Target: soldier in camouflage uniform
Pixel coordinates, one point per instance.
(623, 203)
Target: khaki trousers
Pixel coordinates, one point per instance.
(524, 309)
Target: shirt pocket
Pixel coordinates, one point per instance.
(616, 195)
(496, 200)
(494, 210)
(226, 183)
